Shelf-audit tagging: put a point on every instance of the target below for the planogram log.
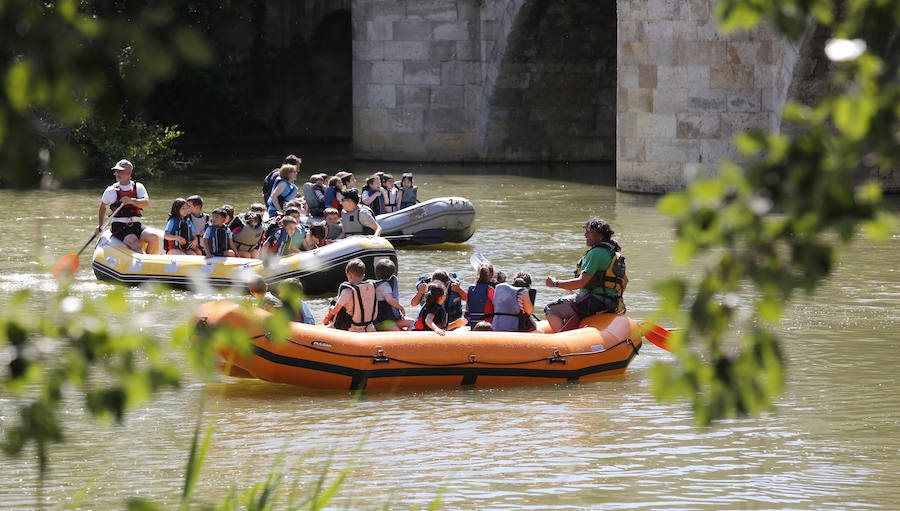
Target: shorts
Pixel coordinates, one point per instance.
(121, 230)
(581, 305)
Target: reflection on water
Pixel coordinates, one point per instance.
(832, 441)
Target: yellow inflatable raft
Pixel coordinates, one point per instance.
(320, 357)
(320, 271)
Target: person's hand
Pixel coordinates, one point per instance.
(420, 288)
(402, 311)
(96, 231)
(182, 241)
(550, 282)
(440, 331)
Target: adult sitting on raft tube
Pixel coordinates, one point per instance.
(127, 198)
(600, 280)
(357, 219)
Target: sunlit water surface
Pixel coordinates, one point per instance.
(832, 441)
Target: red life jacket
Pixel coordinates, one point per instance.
(129, 210)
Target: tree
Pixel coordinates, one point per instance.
(65, 61)
(772, 222)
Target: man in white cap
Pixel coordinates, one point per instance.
(126, 224)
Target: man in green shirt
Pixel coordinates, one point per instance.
(600, 280)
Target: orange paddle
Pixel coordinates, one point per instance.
(69, 262)
(656, 334)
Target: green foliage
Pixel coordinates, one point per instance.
(150, 147)
(70, 349)
(778, 223)
(69, 60)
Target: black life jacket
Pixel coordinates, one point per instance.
(183, 229)
(386, 310)
(129, 210)
(420, 321)
(614, 275)
(218, 242)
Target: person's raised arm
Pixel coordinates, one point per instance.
(417, 298)
(527, 306)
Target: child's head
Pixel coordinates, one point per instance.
(483, 326)
(196, 203)
(177, 206)
(229, 212)
(351, 199)
(257, 286)
(287, 171)
(332, 216)
(335, 182)
(442, 276)
(522, 279)
(356, 270)
(294, 203)
(253, 219)
(289, 224)
(292, 159)
(501, 277)
(406, 179)
(348, 181)
(292, 213)
(218, 216)
(485, 273)
(258, 207)
(317, 231)
(385, 269)
(435, 293)
(387, 181)
(373, 182)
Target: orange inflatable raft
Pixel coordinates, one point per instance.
(320, 357)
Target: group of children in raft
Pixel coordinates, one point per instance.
(490, 304)
(279, 227)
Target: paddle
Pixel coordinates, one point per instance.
(656, 334)
(70, 261)
(477, 260)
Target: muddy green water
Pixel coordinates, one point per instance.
(832, 442)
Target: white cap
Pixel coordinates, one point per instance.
(123, 165)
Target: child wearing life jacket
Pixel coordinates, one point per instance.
(513, 305)
(315, 237)
(246, 232)
(455, 294)
(371, 194)
(391, 195)
(390, 315)
(198, 218)
(331, 193)
(334, 229)
(409, 192)
(279, 243)
(480, 297)
(179, 236)
(354, 309)
(229, 214)
(217, 240)
(433, 316)
(314, 194)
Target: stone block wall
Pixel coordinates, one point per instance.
(684, 90)
(415, 79)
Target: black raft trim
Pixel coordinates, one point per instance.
(359, 377)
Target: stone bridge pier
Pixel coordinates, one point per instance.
(650, 84)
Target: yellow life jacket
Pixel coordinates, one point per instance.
(614, 275)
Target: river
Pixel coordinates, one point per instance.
(831, 442)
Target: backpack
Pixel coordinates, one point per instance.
(269, 183)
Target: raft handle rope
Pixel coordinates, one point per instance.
(381, 358)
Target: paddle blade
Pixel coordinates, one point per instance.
(476, 260)
(656, 334)
(66, 266)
